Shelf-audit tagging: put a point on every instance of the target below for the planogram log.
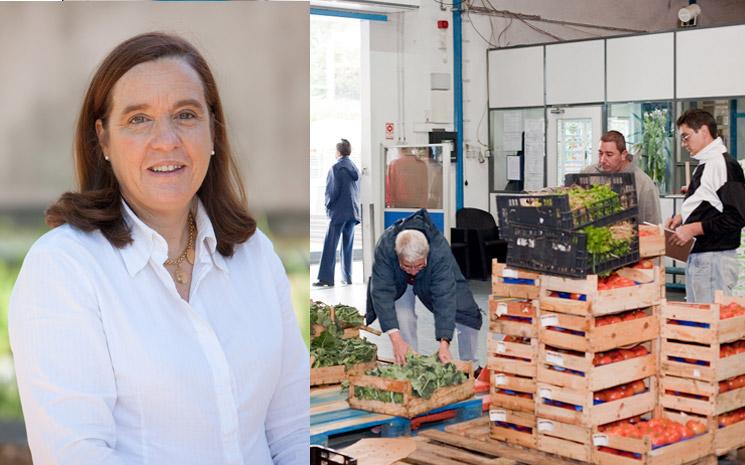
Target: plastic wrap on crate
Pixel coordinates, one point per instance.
(552, 210)
(563, 253)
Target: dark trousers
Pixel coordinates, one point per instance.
(328, 258)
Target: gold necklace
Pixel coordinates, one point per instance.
(187, 254)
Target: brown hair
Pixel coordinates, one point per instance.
(694, 118)
(617, 137)
(97, 205)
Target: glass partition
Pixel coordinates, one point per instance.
(648, 129)
(517, 132)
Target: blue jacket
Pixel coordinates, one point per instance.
(343, 192)
(440, 285)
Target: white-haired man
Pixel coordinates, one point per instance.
(413, 259)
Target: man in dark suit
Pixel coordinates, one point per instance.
(343, 210)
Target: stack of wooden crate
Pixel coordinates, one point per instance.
(561, 350)
(703, 365)
(512, 353)
(597, 359)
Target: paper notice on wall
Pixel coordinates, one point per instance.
(535, 153)
(513, 131)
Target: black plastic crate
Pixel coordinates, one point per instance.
(563, 253)
(552, 211)
(324, 456)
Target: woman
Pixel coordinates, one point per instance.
(153, 324)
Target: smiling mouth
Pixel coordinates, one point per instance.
(166, 168)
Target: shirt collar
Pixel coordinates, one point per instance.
(715, 149)
(147, 243)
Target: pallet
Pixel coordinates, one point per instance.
(500, 271)
(596, 338)
(654, 244)
(411, 406)
(331, 417)
(597, 302)
(338, 373)
(696, 448)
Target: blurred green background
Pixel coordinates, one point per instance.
(17, 236)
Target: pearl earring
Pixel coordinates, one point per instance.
(107, 158)
(213, 152)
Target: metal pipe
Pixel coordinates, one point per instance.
(458, 101)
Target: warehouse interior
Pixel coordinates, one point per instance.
(520, 91)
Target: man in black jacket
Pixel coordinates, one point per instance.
(412, 259)
(713, 210)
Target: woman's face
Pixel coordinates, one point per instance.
(158, 136)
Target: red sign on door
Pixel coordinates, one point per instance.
(389, 130)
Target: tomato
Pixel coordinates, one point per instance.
(673, 435)
(644, 264)
(696, 426)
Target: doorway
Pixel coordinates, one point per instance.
(573, 135)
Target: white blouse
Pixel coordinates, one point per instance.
(115, 368)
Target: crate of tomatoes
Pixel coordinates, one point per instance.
(637, 286)
(729, 432)
(512, 354)
(513, 427)
(512, 282)
(703, 341)
(588, 371)
(670, 438)
(589, 333)
(513, 317)
(651, 240)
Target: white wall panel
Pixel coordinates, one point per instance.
(709, 62)
(640, 68)
(575, 72)
(516, 77)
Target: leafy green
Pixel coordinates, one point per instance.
(426, 373)
(345, 316)
(329, 350)
(584, 199)
(607, 242)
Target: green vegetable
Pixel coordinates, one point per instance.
(426, 374)
(329, 350)
(345, 317)
(608, 242)
(590, 200)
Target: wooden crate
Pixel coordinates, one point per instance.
(654, 244)
(502, 310)
(596, 338)
(679, 453)
(505, 381)
(564, 439)
(592, 415)
(338, 373)
(501, 432)
(500, 271)
(728, 438)
(597, 302)
(411, 406)
(716, 403)
(511, 357)
(595, 378)
(702, 344)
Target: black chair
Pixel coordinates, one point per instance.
(458, 246)
(482, 241)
